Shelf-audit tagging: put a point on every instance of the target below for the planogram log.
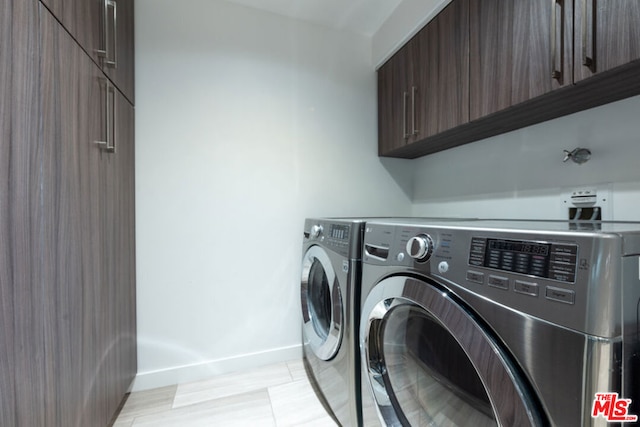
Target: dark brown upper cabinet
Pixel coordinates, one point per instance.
(423, 89)
(444, 71)
(104, 29)
(520, 49)
(607, 35)
(492, 66)
(396, 111)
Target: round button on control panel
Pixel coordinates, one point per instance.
(419, 247)
(443, 267)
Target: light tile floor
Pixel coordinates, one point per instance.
(277, 395)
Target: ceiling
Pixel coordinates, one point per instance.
(360, 16)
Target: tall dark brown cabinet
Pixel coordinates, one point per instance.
(7, 374)
(7, 327)
(67, 262)
(22, 233)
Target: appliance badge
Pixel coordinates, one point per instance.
(345, 266)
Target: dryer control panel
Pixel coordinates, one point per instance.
(544, 269)
(535, 258)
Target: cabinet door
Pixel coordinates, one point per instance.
(83, 19)
(7, 372)
(22, 192)
(122, 359)
(104, 29)
(386, 122)
(117, 296)
(607, 35)
(119, 63)
(442, 74)
(395, 80)
(72, 239)
(515, 47)
(423, 90)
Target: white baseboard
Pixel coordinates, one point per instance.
(199, 371)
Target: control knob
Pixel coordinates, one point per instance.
(316, 231)
(419, 247)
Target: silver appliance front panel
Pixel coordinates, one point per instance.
(338, 378)
(568, 348)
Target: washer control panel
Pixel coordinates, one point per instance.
(342, 237)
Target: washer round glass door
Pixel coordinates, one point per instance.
(429, 362)
(322, 310)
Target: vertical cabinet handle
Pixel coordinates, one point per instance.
(556, 39)
(109, 35)
(109, 145)
(405, 114)
(588, 23)
(111, 117)
(405, 95)
(414, 131)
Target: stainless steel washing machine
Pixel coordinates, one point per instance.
(330, 298)
(502, 323)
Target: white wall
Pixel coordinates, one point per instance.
(246, 123)
(521, 174)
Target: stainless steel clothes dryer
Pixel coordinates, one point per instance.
(487, 323)
(330, 298)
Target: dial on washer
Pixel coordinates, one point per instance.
(316, 231)
(419, 247)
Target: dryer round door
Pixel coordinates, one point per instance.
(322, 309)
(429, 361)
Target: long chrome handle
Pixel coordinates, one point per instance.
(111, 34)
(587, 60)
(414, 131)
(109, 144)
(102, 52)
(111, 118)
(105, 145)
(405, 95)
(556, 72)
